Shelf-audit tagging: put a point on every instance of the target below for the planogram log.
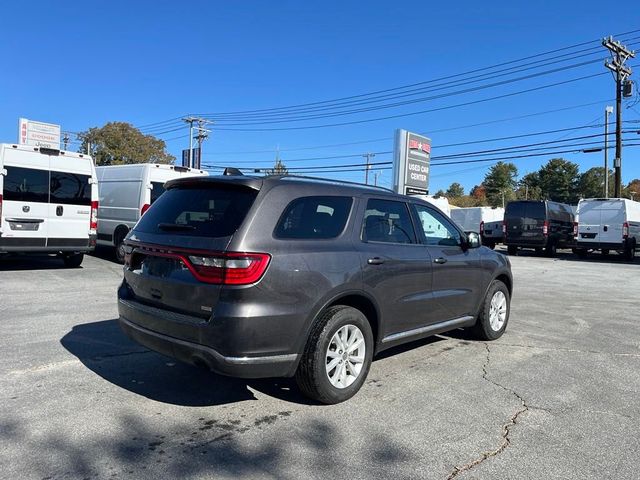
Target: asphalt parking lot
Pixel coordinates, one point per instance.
(555, 397)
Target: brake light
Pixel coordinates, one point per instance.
(545, 228)
(482, 228)
(504, 227)
(575, 229)
(229, 268)
(93, 222)
(625, 230)
(144, 208)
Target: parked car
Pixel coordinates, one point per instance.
(492, 233)
(126, 192)
(607, 224)
(284, 276)
(474, 219)
(48, 202)
(539, 225)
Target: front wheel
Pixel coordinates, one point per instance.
(73, 260)
(494, 314)
(337, 357)
(630, 252)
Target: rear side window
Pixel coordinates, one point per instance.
(26, 185)
(314, 217)
(157, 189)
(387, 221)
(203, 212)
(70, 188)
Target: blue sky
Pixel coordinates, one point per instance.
(145, 62)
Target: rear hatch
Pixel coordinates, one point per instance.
(176, 253)
(600, 221)
(492, 229)
(525, 223)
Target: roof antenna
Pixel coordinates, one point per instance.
(231, 171)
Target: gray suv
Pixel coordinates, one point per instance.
(288, 276)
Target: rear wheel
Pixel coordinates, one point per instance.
(605, 252)
(630, 251)
(337, 357)
(551, 250)
(73, 260)
(490, 244)
(494, 315)
(512, 250)
(581, 252)
(118, 241)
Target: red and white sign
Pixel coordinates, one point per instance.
(418, 145)
(38, 134)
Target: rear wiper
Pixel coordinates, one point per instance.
(175, 226)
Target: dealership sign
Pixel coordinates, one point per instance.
(412, 155)
(38, 134)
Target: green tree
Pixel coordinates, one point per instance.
(120, 143)
(278, 169)
(479, 193)
(464, 201)
(440, 193)
(632, 190)
(455, 190)
(559, 180)
(529, 187)
(500, 183)
(591, 183)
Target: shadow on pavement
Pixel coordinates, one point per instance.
(107, 351)
(19, 262)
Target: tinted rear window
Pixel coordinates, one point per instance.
(525, 209)
(202, 212)
(70, 188)
(314, 217)
(26, 185)
(157, 189)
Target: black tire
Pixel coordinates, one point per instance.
(491, 245)
(581, 252)
(311, 375)
(551, 250)
(512, 250)
(630, 251)
(73, 260)
(118, 241)
(605, 252)
(483, 330)
(539, 250)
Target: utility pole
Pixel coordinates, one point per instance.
(65, 140)
(607, 111)
(203, 134)
(619, 55)
(368, 156)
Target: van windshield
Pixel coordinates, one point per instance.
(198, 211)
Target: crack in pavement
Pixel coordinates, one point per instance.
(506, 428)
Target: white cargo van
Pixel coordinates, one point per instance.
(608, 224)
(474, 219)
(441, 202)
(126, 192)
(48, 202)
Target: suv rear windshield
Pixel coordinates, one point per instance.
(196, 211)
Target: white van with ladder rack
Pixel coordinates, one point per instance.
(48, 202)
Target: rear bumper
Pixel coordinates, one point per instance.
(234, 364)
(601, 245)
(44, 245)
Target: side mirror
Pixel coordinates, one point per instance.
(473, 240)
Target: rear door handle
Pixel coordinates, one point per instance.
(375, 261)
(440, 260)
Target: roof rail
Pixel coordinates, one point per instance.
(329, 180)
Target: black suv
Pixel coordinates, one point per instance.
(289, 276)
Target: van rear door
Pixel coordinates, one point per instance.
(600, 221)
(70, 201)
(25, 209)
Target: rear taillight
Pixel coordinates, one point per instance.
(144, 208)
(625, 230)
(575, 229)
(228, 268)
(481, 228)
(504, 227)
(545, 228)
(93, 222)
